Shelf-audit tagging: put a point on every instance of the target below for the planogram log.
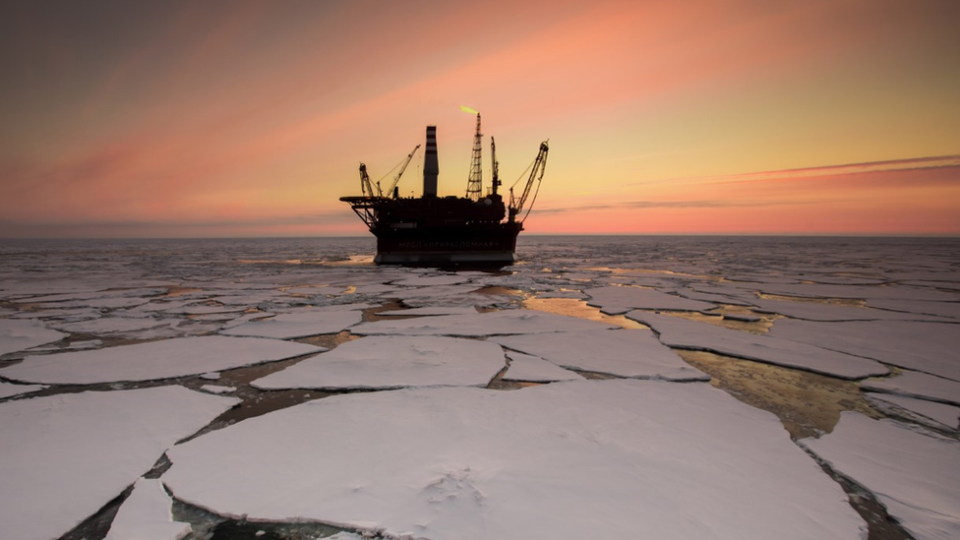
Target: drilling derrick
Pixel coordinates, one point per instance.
(475, 183)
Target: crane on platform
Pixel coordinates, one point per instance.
(365, 185)
(536, 175)
(496, 165)
(396, 180)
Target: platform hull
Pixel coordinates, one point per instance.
(491, 245)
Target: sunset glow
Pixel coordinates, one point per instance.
(248, 118)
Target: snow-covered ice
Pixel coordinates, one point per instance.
(153, 360)
(615, 300)
(572, 460)
(525, 367)
(308, 322)
(923, 346)
(687, 334)
(480, 324)
(432, 280)
(918, 385)
(146, 515)
(939, 415)
(19, 335)
(625, 353)
(394, 362)
(915, 475)
(73, 453)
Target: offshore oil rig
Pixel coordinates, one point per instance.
(447, 231)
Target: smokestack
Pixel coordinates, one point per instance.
(431, 168)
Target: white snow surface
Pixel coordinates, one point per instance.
(615, 300)
(432, 280)
(525, 367)
(938, 415)
(480, 324)
(573, 460)
(308, 322)
(918, 385)
(146, 515)
(923, 346)
(394, 362)
(153, 360)
(16, 335)
(915, 475)
(943, 309)
(687, 334)
(73, 453)
(8, 390)
(625, 353)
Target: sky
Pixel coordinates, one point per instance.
(250, 118)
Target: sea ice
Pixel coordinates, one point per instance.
(916, 476)
(625, 353)
(153, 360)
(480, 324)
(73, 453)
(19, 335)
(923, 346)
(8, 390)
(618, 300)
(430, 311)
(215, 389)
(115, 326)
(939, 415)
(918, 385)
(524, 367)
(432, 280)
(308, 322)
(942, 309)
(815, 311)
(394, 362)
(687, 334)
(146, 515)
(572, 460)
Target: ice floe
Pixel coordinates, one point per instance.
(8, 390)
(73, 453)
(430, 311)
(394, 362)
(687, 334)
(153, 360)
(942, 309)
(298, 324)
(923, 346)
(525, 367)
(146, 515)
(479, 324)
(119, 326)
(432, 280)
(16, 335)
(618, 300)
(919, 385)
(216, 389)
(816, 311)
(939, 415)
(916, 476)
(625, 353)
(573, 460)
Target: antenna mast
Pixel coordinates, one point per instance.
(475, 182)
